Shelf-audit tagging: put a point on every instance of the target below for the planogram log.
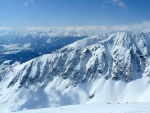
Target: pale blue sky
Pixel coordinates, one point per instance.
(54, 13)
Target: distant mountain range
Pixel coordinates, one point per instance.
(25, 45)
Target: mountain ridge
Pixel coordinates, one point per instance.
(110, 65)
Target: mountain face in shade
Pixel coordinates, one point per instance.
(112, 67)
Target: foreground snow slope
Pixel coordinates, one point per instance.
(96, 108)
(107, 68)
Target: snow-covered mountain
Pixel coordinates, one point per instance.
(105, 68)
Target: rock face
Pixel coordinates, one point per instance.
(96, 69)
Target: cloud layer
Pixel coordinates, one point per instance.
(95, 30)
(85, 30)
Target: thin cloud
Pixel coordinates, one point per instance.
(118, 3)
(6, 28)
(27, 2)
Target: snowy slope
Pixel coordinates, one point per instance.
(96, 108)
(106, 68)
